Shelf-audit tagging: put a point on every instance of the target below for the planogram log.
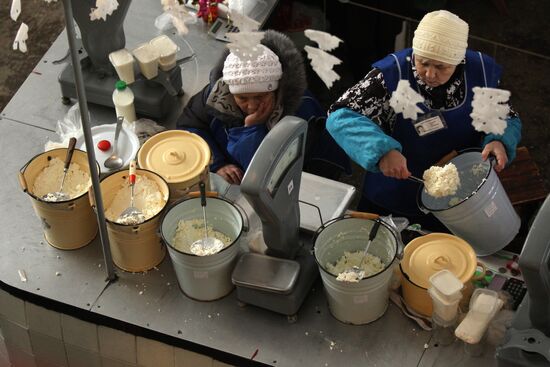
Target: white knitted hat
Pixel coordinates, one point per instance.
(252, 76)
(441, 36)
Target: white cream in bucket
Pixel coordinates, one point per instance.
(367, 300)
(67, 225)
(134, 247)
(204, 278)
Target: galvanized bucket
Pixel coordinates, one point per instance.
(367, 300)
(480, 212)
(204, 278)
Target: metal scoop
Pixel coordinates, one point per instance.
(131, 215)
(114, 161)
(356, 273)
(416, 179)
(60, 195)
(207, 245)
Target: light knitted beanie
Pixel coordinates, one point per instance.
(252, 76)
(441, 36)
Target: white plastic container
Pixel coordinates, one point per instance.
(367, 300)
(148, 60)
(484, 304)
(444, 311)
(123, 98)
(166, 50)
(123, 61)
(446, 285)
(204, 278)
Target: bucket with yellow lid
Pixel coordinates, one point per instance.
(180, 157)
(425, 256)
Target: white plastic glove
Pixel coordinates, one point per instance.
(21, 37)
(404, 99)
(326, 41)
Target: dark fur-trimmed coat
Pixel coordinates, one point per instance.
(213, 114)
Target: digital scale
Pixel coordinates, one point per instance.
(527, 341)
(279, 280)
(153, 98)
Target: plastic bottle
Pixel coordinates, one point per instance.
(123, 98)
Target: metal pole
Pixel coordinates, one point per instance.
(85, 115)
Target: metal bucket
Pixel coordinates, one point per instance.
(204, 278)
(180, 157)
(139, 247)
(67, 225)
(482, 213)
(367, 300)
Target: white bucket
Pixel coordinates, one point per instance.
(204, 278)
(367, 300)
(483, 215)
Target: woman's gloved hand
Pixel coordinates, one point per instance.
(497, 149)
(231, 174)
(394, 164)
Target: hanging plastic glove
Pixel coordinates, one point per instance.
(21, 37)
(322, 63)
(490, 110)
(404, 99)
(326, 41)
(49, 1)
(244, 44)
(15, 9)
(103, 8)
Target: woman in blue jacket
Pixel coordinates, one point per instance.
(391, 148)
(245, 99)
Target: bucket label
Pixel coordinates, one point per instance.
(360, 299)
(290, 186)
(45, 224)
(200, 274)
(490, 209)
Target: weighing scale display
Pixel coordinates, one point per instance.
(287, 159)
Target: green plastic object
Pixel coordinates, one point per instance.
(120, 85)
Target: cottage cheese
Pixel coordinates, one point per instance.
(371, 265)
(49, 179)
(191, 230)
(147, 198)
(441, 181)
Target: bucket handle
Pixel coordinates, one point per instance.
(348, 214)
(209, 194)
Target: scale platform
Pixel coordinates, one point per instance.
(153, 98)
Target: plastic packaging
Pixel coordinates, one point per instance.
(123, 98)
(148, 60)
(70, 126)
(484, 305)
(166, 50)
(123, 61)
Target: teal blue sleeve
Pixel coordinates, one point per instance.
(510, 138)
(361, 138)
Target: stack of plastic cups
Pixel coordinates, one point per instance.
(445, 293)
(484, 305)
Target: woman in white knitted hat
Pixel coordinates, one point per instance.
(245, 98)
(391, 148)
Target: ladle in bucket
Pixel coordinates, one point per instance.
(60, 195)
(207, 245)
(131, 215)
(356, 273)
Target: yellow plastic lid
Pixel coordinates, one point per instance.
(426, 255)
(176, 155)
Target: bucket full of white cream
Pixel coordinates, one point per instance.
(203, 278)
(67, 224)
(339, 245)
(135, 246)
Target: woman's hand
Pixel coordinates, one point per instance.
(394, 164)
(231, 174)
(497, 149)
(265, 108)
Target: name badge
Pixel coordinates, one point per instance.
(429, 123)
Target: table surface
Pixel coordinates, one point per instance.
(152, 301)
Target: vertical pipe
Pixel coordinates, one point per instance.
(84, 113)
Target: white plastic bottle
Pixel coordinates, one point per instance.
(123, 98)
